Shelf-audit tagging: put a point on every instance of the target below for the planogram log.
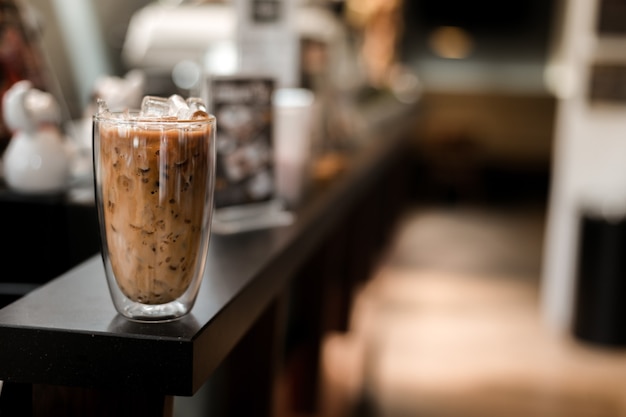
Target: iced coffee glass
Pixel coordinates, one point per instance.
(154, 175)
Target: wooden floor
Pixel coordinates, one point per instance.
(449, 327)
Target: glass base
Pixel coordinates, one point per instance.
(154, 312)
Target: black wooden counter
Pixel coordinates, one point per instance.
(66, 339)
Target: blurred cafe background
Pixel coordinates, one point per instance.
(503, 289)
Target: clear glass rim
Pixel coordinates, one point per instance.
(134, 119)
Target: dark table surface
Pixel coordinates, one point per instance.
(67, 331)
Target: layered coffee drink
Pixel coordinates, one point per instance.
(154, 180)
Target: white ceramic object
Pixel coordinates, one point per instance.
(293, 125)
(37, 159)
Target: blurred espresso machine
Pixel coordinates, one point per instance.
(176, 45)
(181, 47)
